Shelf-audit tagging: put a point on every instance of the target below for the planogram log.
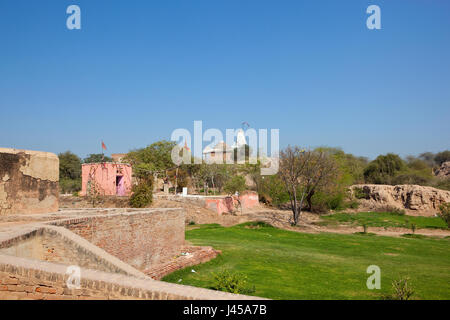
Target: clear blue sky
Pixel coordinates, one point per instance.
(137, 70)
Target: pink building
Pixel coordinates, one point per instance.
(107, 178)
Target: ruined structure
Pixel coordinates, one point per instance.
(414, 199)
(220, 204)
(118, 252)
(28, 182)
(444, 171)
(106, 179)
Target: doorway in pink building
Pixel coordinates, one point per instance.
(120, 186)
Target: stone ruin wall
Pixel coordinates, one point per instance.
(139, 239)
(28, 182)
(414, 199)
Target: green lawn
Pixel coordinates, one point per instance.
(289, 265)
(382, 219)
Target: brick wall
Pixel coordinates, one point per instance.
(140, 239)
(29, 279)
(48, 245)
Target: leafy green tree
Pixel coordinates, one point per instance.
(383, 169)
(69, 166)
(155, 157)
(442, 157)
(142, 195)
(96, 158)
(69, 172)
(428, 158)
(235, 184)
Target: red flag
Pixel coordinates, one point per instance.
(103, 145)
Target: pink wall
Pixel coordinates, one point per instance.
(104, 176)
(249, 199)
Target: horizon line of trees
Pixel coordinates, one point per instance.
(346, 170)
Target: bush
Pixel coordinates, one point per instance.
(402, 290)
(353, 204)
(383, 169)
(232, 282)
(142, 194)
(359, 193)
(322, 202)
(444, 213)
(442, 157)
(69, 185)
(235, 184)
(272, 191)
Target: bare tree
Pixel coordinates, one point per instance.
(303, 172)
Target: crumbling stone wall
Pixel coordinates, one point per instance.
(414, 199)
(28, 182)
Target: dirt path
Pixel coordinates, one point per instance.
(281, 219)
(278, 218)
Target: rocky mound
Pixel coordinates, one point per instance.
(414, 199)
(443, 171)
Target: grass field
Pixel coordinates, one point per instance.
(289, 265)
(382, 219)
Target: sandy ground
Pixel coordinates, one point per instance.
(282, 219)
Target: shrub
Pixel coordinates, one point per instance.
(235, 184)
(322, 202)
(232, 282)
(383, 169)
(142, 194)
(69, 185)
(359, 193)
(444, 213)
(336, 202)
(273, 191)
(442, 157)
(353, 205)
(402, 290)
(413, 228)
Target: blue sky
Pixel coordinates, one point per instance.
(137, 70)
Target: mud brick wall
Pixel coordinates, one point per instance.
(36, 280)
(47, 245)
(141, 239)
(28, 182)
